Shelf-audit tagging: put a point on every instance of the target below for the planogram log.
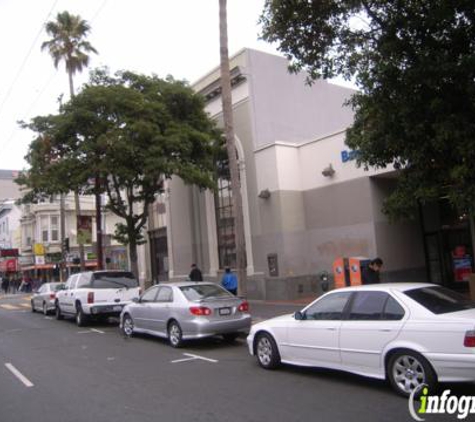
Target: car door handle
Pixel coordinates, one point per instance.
(385, 330)
(331, 328)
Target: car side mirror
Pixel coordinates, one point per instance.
(136, 300)
(299, 316)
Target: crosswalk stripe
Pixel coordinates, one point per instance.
(9, 307)
(25, 305)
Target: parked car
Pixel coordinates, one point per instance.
(411, 334)
(96, 294)
(43, 299)
(187, 310)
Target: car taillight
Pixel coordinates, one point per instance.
(200, 310)
(52, 296)
(244, 307)
(469, 340)
(90, 297)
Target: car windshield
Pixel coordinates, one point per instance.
(57, 286)
(440, 300)
(205, 291)
(114, 279)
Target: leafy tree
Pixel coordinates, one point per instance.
(68, 45)
(133, 132)
(414, 64)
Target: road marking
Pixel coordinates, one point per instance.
(19, 375)
(193, 357)
(25, 305)
(48, 317)
(9, 307)
(91, 330)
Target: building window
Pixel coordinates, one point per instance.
(54, 228)
(44, 227)
(225, 222)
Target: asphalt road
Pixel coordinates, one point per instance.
(93, 374)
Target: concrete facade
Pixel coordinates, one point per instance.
(287, 134)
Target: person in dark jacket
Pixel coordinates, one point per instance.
(195, 273)
(370, 274)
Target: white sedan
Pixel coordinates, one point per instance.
(409, 333)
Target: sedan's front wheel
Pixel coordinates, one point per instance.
(267, 352)
(175, 335)
(128, 326)
(57, 312)
(408, 371)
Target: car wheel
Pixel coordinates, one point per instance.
(230, 337)
(81, 318)
(267, 353)
(408, 371)
(175, 335)
(57, 312)
(128, 325)
(32, 307)
(45, 309)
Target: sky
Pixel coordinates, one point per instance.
(164, 37)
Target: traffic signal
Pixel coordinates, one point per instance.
(66, 244)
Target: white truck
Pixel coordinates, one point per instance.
(96, 294)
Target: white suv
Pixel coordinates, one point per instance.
(95, 294)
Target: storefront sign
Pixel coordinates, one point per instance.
(8, 253)
(38, 249)
(348, 155)
(8, 265)
(40, 260)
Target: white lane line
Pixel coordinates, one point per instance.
(48, 317)
(183, 360)
(91, 330)
(19, 375)
(194, 357)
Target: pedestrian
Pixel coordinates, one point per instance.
(370, 274)
(195, 273)
(229, 281)
(5, 283)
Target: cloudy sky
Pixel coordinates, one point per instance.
(177, 37)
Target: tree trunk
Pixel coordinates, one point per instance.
(134, 266)
(62, 227)
(231, 148)
(78, 218)
(97, 193)
(76, 194)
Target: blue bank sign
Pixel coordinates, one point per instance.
(348, 155)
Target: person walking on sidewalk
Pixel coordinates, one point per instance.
(229, 281)
(195, 273)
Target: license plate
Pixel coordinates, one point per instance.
(225, 311)
(117, 308)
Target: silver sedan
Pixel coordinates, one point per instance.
(43, 299)
(186, 310)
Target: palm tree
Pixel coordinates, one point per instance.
(226, 99)
(68, 45)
